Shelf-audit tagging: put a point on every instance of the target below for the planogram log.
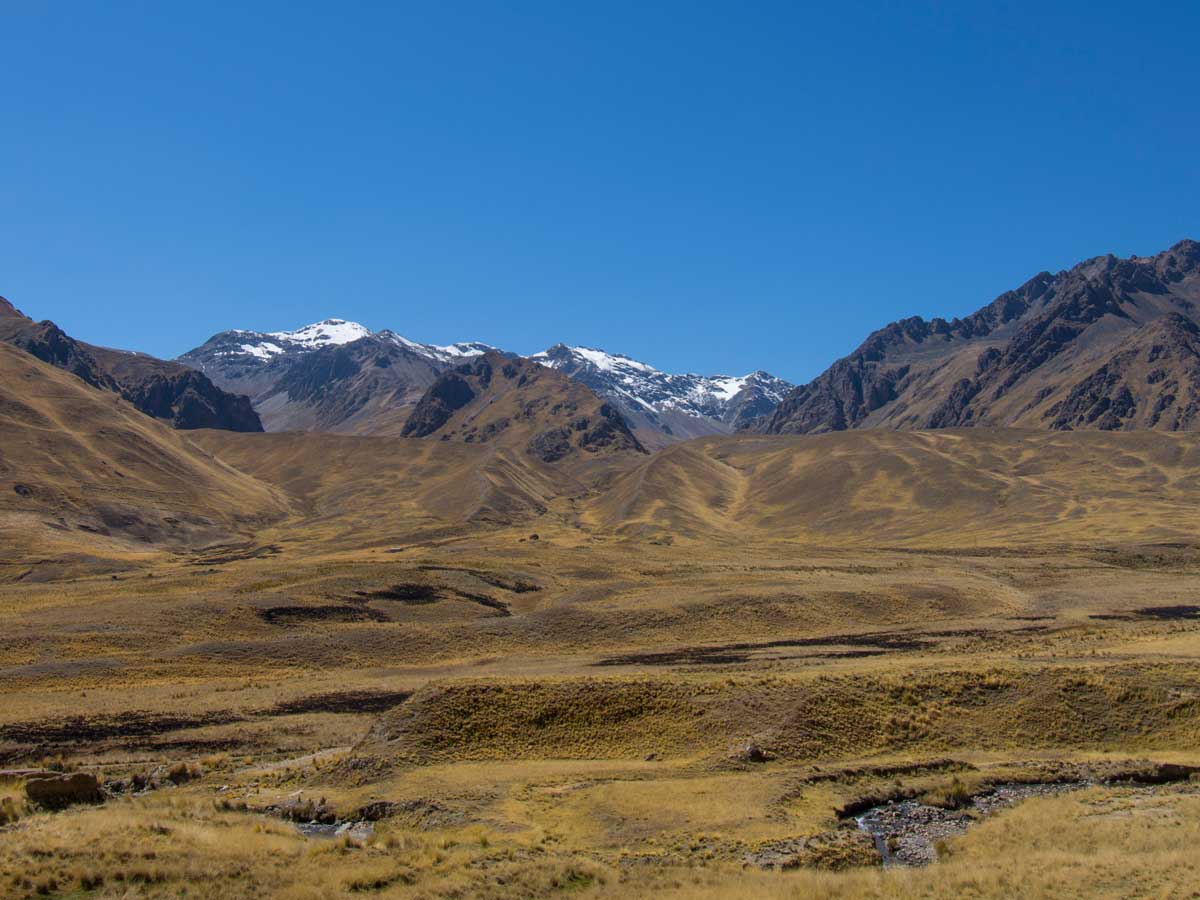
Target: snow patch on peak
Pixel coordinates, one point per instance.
(610, 362)
(466, 348)
(324, 334)
(725, 389)
(265, 350)
(446, 354)
(400, 340)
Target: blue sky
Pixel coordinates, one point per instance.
(711, 187)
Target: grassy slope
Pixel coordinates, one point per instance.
(84, 474)
(522, 754)
(954, 489)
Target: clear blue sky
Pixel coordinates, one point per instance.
(707, 186)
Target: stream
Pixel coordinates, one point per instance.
(357, 830)
(906, 832)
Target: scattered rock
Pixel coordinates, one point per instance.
(297, 809)
(753, 753)
(417, 813)
(906, 832)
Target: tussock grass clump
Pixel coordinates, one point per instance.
(955, 795)
(13, 806)
(183, 772)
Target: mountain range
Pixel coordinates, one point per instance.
(1110, 344)
(337, 375)
(329, 376)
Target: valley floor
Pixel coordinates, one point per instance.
(507, 717)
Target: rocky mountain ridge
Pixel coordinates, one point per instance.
(169, 391)
(1108, 344)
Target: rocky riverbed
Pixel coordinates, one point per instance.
(906, 832)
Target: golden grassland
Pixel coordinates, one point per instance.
(1115, 841)
(880, 615)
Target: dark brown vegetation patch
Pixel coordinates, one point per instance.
(1161, 613)
(514, 583)
(128, 725)
(417, 594)
(870, 644)
(344, 702)
(296, 615)
(228, 553)
(410, 592)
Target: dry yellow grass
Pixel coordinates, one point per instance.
(1102, 843)
(956, 488)
(565, 714)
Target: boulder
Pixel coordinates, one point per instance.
(57, 791)
(753, 753)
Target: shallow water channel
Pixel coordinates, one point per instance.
(357, 830)
(906, 832)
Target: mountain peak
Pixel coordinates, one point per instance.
(594, 357)
(8, 310)
(1053, 353)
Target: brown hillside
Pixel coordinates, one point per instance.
(516, 403)
(81, 470)
(354, 491)
(952, 488)
(165, 390)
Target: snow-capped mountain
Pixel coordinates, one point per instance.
(252, 346)
(337, 375)
(332, 375)
(661, 406)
